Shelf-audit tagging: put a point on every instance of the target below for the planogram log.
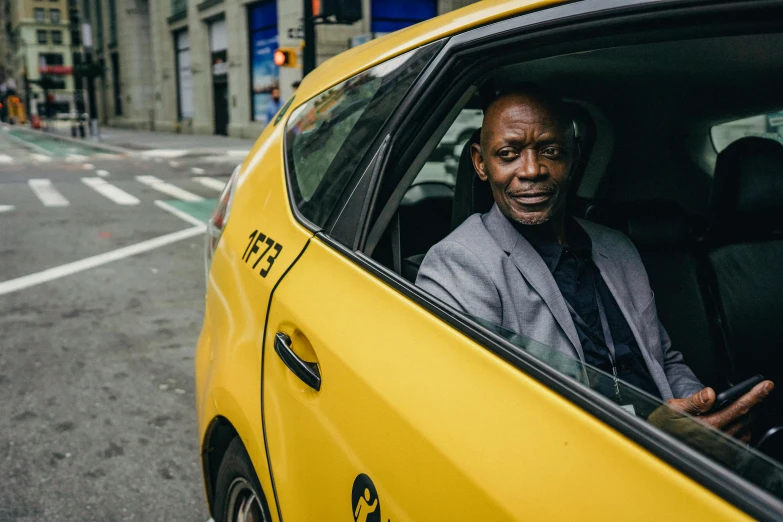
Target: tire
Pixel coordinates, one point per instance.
(237, 489)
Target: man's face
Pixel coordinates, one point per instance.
(526, 154)
(276, 94)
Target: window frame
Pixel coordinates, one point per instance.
(59, 37)
(42, 11)
(590, 20)
(358, 175)
(55, 11)
(39, 33)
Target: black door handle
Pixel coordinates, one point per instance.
(306, 371)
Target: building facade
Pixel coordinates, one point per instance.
(206, 66)
(41, 40)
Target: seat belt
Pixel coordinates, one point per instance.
(395, 244)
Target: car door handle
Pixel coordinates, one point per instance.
(308, 372)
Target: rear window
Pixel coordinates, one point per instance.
(327, 137)
(762, 125)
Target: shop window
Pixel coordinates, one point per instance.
(264, 74)
(184, 76)
(99, 25)
(57, 37)
(391, 15)
(112, 22)
(42, 37)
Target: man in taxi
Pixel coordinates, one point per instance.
(573, 285)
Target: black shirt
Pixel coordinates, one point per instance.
(579, 279)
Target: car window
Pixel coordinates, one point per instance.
(441, 167)
(769, 125)
(727, 451)
(327, 136)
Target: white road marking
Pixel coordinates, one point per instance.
(115, 194)
(211, 182)
(5, 158)
(238, 152)
(163, 153)
(196, 170)
(20, 283)
(174, 164)
(48, 195)
(75, 158)
(43, 158)
(6, 208)
(102, 173)
(168, 188)
(179, 213)
(89, 166)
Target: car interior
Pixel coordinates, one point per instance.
(707, 221)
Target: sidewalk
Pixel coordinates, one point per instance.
(161, 144)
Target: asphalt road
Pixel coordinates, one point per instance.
(96, 359)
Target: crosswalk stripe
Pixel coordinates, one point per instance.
(168, 188)
(210, 182)
(115, 194)
(48, 195)
(5, 158)
(43, 158)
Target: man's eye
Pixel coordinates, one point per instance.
(507, 154)
(552, 152)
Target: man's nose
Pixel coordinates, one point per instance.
(530, 166)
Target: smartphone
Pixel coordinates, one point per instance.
(730, 395)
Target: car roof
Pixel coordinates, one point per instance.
(355, 60)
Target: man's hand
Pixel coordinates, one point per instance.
(734, 419)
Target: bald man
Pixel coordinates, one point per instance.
(575, 286)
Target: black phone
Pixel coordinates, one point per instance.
(730, 395)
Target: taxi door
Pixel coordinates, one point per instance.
(377, 410)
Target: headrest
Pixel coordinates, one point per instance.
(651, 223)
(471, 195)
(747, 190)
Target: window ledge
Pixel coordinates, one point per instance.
(206, 4)
(176, 17)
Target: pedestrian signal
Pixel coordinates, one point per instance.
(285, 57)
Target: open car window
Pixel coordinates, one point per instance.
(769, 125)
(746, 462)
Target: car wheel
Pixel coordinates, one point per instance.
(238, 494)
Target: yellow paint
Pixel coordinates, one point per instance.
(445, 429)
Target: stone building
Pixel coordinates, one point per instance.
(205, 66)
(38, 40)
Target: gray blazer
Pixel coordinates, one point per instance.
(487, 269)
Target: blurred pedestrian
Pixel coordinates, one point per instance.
(274, 104)
(295, 85)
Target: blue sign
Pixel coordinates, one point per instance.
(265, 75)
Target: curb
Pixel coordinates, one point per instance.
(85, 142)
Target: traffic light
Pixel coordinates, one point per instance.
(285, 57)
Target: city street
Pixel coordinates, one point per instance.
(101, 302)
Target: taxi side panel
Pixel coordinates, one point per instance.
(228, 356)
(445, 429)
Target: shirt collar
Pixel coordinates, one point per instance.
(549, 249)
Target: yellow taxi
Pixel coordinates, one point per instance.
(330, 387)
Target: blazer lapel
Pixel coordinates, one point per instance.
(535, 272)
(613, 279)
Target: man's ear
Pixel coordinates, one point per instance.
(478, 161)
